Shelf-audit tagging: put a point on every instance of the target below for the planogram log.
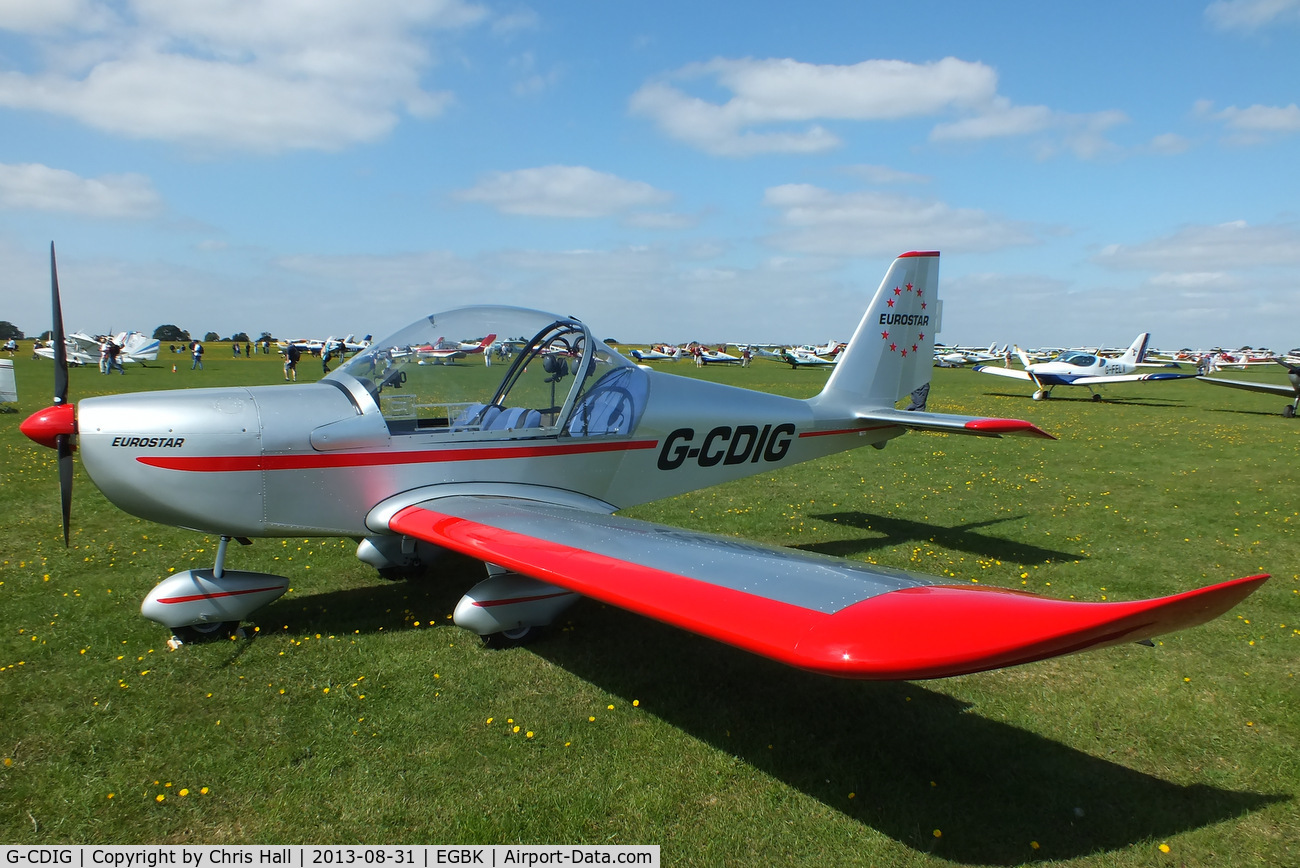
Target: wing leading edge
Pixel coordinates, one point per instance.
(822, 614)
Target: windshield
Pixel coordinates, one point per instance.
(497, 371)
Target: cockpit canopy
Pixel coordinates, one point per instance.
(1077, 358)
(497, 371)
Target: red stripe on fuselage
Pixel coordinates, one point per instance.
(324, 460)
(845, 431)
(217, 595)
(487, 604)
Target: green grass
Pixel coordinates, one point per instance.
(357, 713)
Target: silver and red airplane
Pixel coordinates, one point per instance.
(524, 465)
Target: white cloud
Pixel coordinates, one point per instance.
(220, 74)
(562, 191)
(822, 222)
(34, 187)
(1249, 16)
(47, 16)
(1082, 134)
(776, 105)
(885, 175)
(1254, 124)
(1168, 144)
(1204, 249)
(768, 93)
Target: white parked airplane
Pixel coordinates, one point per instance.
(83, 349)
(658, 353)
(798, 357)
(1078, 368)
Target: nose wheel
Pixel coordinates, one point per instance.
(210, 632)
(512, 638)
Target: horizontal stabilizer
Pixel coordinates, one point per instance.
(822, 614)
(981, 426)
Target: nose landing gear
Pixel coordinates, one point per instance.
(200, 605)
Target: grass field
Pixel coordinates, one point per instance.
(357, 713)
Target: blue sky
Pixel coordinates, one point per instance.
(666, 171)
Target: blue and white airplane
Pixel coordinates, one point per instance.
(1080, 368)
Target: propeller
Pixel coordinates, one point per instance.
(56, 426)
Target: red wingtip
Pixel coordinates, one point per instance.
(46, 426)
(939, 631)
(1007, 426)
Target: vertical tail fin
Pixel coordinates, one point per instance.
(1138, 350)
(892, 352)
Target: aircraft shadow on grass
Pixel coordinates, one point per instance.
(1262, 414)
(1085, 398)
(996, 787)
(895, 532)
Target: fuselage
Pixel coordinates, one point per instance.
(315, 459)
(1068, 367)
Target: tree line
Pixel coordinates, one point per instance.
(167, 333)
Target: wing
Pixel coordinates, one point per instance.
(1127, 378)
(813, 612)
(1267, 388)
(998, 370)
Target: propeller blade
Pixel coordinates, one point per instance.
(64, 441)
(57, 336)
(64, 447)
(1290, 368)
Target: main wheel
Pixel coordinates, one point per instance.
(1096, 397)
(1288, 412)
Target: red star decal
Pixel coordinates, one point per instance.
(897, 291)
(904, 352)
(893, 347)
(890, 303)
(918, 292)
(884, 336)
(913, 347)
(909, 288)
(922, 305)
(920, 337)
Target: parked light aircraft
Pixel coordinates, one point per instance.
(1078, 368)
(797, 357)
(525, 472)
(716, 357)
(658, 353)
(443, 351)
(82, 349)
(316, 346)
(1291, 391)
